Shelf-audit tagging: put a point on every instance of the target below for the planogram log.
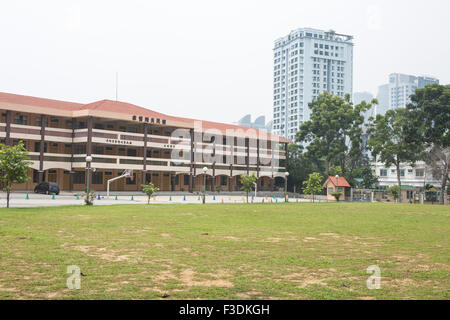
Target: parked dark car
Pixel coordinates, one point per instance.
(47, 188)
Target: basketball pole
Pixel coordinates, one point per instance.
(127, 173)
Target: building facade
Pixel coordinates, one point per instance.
(396, 94)
(308, 62)
(168, 151)
(417, 176)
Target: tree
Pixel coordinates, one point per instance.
(364, 172)
(313, 185)
(334, 133)
(248, 182)
(336, 171)
(149, 189)
(395, 191)
(393, 140)
(300, 165)
(14, 166)
(430, 115)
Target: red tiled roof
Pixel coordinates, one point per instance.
(121, 107)
(118, 107)
(342, 182)
(37, 102)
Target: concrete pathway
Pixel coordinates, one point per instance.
(22, 200)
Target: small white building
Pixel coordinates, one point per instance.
(417, 176)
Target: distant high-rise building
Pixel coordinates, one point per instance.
(359, 97)
(259, 123)
(401, 87)
(383, 99)
(423, 81)
(308, 62)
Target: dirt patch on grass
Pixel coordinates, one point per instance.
(105, 254)
(232, 238)
(250, 295)
(367, 298)
(188, 278)
(305, 279)
(329, 234)
(7, 289)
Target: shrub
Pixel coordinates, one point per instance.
(89, 198)
(336, 195)
(395, 192)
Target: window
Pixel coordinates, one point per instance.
(79, 149)
(223, 180)
(100, 126)
(383, 173)
(20, 119)
(420, 172)
(79, 177)
(37, 147)
(97, 177)
(98, 150)
(186, 180)
(39, 122)
(131, 152)
(81, 125)
(35, 176)
(402, 172)
(132, 181)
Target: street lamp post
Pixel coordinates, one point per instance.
(205, 169)
(88, 169)
(285, 186)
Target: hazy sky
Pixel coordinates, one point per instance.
(204, 59)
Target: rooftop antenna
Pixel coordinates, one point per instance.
(117, 85)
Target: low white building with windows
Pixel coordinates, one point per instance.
(418, 175)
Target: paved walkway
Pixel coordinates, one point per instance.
(21, 200)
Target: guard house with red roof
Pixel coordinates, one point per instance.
(168, 151)
(337, 184)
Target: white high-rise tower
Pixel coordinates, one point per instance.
(308, 62)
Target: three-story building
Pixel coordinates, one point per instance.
(168, 151)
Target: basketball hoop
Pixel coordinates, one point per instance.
(125, 174)
(129, 174)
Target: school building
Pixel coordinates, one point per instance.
(168, 151)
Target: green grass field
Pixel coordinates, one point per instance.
(264, 251)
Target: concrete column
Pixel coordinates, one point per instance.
(8, 128)
(258, 184)
(72, 151)
(172, 178)
(230, 186)
(247, 141)
(213, 178)
(144, 165)
(192, 164)
(89, 145)
(42, 149)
